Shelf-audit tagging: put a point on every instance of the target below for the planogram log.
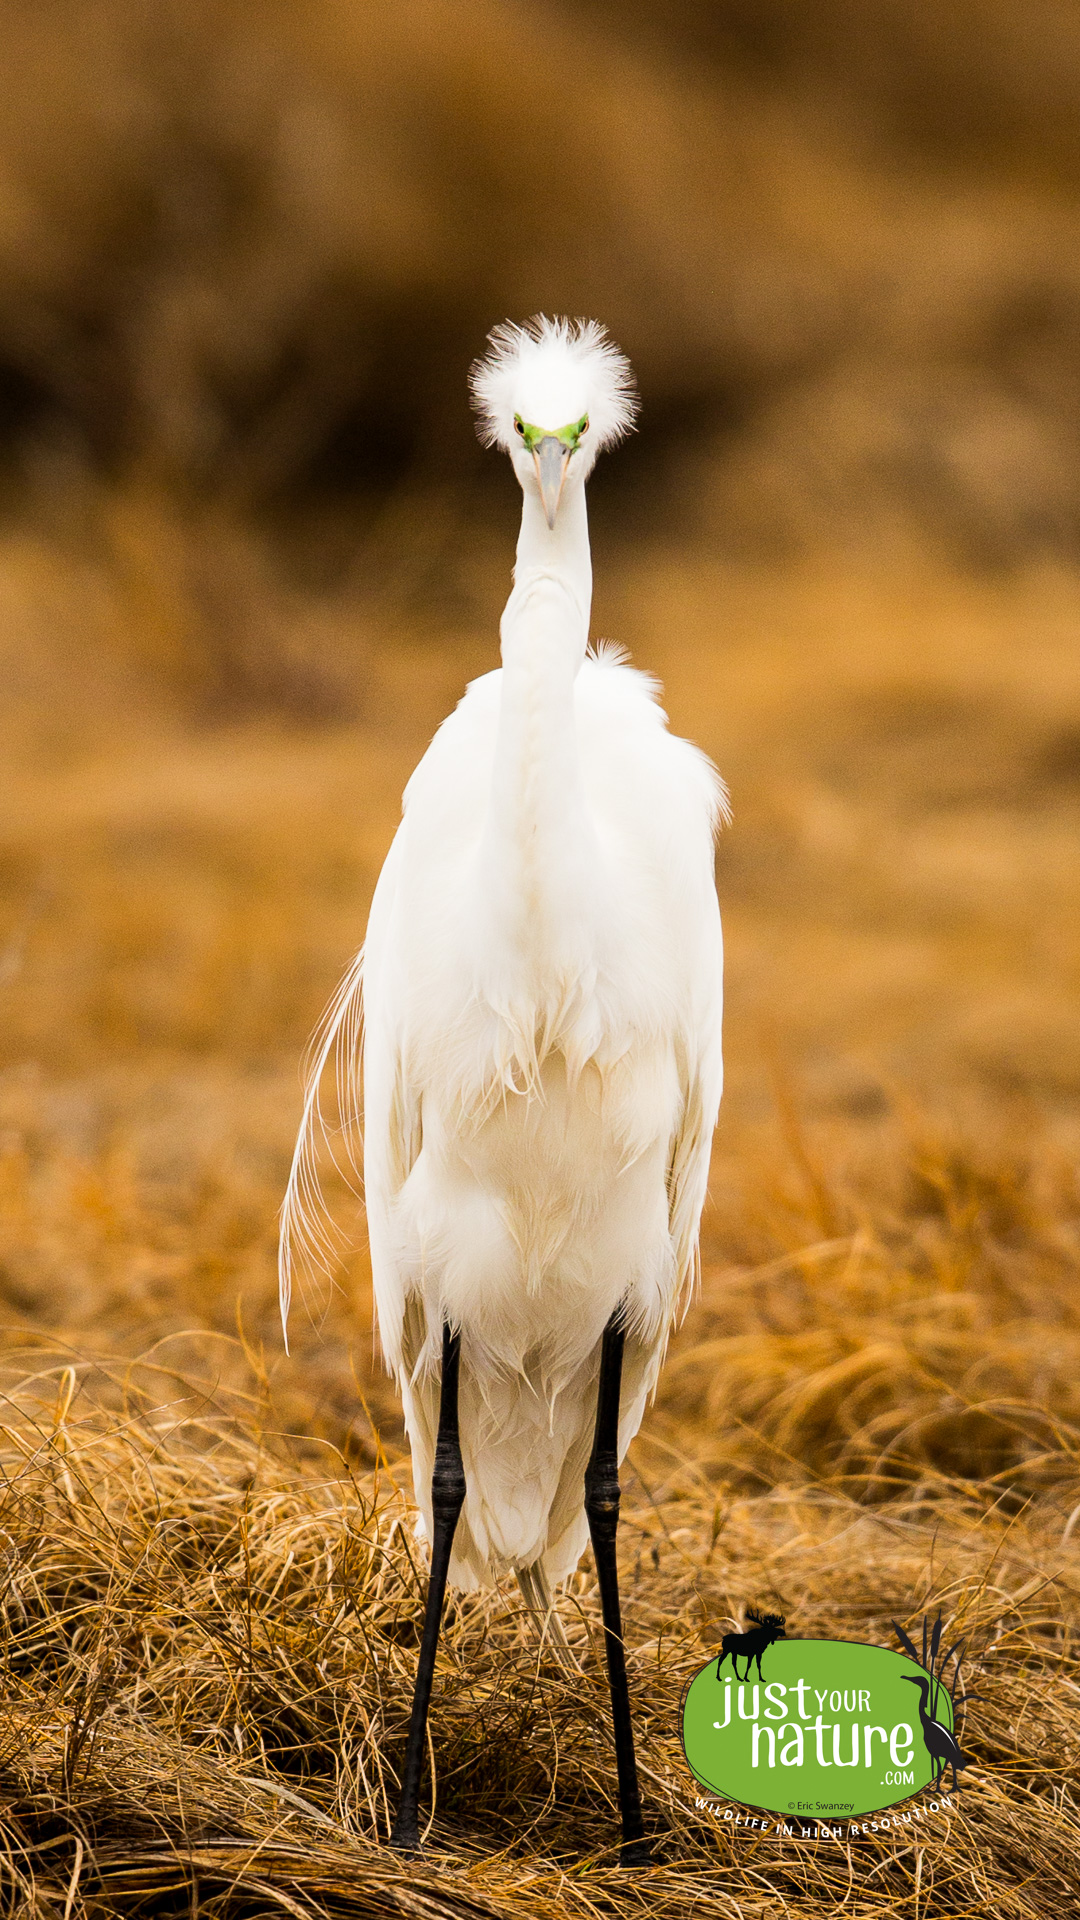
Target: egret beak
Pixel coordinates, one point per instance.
(550, 459)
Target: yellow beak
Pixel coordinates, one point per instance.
(550, 459)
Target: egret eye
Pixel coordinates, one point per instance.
(519, 425)
(584, 427)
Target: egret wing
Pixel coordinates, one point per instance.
(701, 1076)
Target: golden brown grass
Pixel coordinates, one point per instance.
(212, 1592)
(245, 254)
(209, 1647)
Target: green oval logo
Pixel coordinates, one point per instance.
(833, 1730)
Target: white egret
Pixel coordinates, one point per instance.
(541, 1001)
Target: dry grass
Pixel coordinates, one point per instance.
(248, 559)
(209, 1648)
(210, 1627)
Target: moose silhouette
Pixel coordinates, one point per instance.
(750, 1646)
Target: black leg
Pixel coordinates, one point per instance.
(602, 1507)
(447, 1499)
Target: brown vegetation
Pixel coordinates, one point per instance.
(208, 1659)
(247, 248)
(872, 1410)
(249, 556)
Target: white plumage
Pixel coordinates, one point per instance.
(550, 369)
(541, 991)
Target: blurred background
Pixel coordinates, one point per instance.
(250, 553)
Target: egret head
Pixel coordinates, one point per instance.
(553, 394)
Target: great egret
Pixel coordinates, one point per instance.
(541, 999)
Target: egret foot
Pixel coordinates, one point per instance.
(447, 1500)
(638, 1853)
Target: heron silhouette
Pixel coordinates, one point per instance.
(939, 1742)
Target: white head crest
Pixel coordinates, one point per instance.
(549, 374)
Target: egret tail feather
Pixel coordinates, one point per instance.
(310, 1240)
(537, 1595)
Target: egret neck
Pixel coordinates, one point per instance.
(540, 847)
